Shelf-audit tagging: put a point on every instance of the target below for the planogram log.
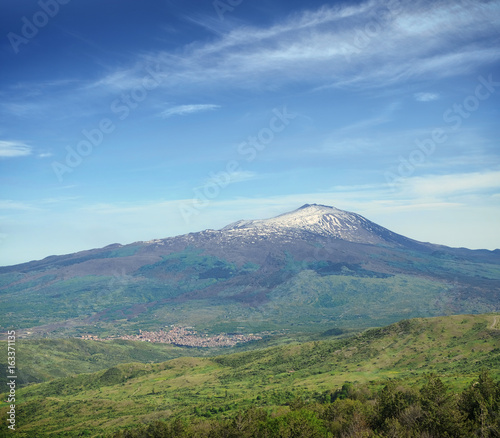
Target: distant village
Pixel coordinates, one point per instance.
(184, 337)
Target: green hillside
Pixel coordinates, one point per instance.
(456, 348)
(41, 360)
(47, 359)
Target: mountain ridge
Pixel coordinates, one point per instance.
(275, 224)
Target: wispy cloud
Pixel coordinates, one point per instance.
(58, 200)
(183, 110)
(432, 191)
(7, 204)
(426, 97)
(343, 146)
(45, 155)
(455, 184)
(235, 177)
(332, 46)
(10, 149)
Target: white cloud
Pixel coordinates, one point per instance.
(459, 183)
(182, 110)
(45, 154)
(126, 79)
(426, 97)
(366, 44)
(9, 149)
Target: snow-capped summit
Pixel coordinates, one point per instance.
(318, 219)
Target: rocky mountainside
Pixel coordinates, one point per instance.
(313, 268)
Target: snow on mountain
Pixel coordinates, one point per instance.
(317, 219)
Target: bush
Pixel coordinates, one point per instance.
(395, 411)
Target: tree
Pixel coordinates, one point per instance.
(440, 416)
(391, 402)
(480, 403)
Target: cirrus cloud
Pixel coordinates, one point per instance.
(10, 149)
(182, 110)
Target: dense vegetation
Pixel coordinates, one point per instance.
(395, 410)
(274, 386)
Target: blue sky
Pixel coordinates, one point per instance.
(123, 121)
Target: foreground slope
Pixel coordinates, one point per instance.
(309, 269)
(454, 347)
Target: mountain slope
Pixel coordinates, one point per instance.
(312, 269)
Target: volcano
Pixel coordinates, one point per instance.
(310, 269)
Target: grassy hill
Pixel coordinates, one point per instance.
(41, 360)
(46, 359)
(454, 347)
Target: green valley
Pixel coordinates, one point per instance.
(194, 389)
